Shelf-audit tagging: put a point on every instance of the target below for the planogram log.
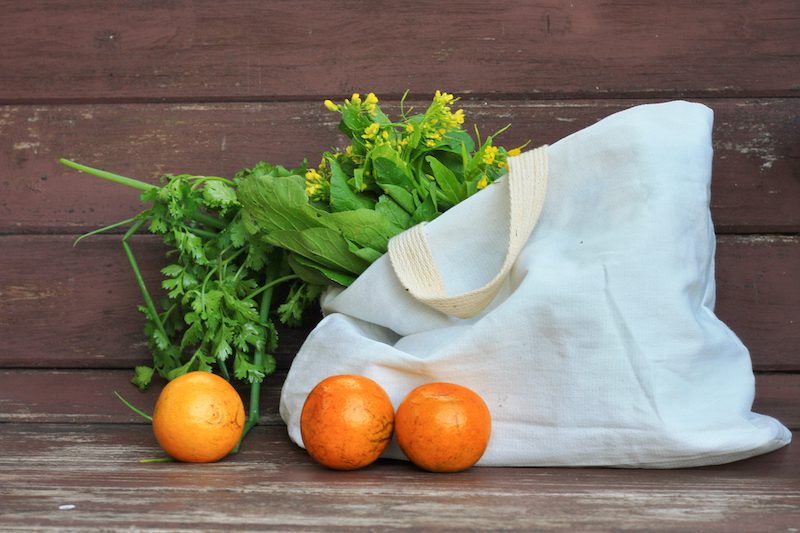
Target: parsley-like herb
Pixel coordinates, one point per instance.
(215, 312)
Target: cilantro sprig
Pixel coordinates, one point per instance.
(215, 312)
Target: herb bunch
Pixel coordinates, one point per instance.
(232, 242)
(218, 286)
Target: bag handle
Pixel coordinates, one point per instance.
(413, 263)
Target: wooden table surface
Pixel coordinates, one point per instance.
(175, 86)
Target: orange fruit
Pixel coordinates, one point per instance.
(443, 427)
(198, 418)
(346, 422)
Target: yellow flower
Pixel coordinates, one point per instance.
(371, 130)
(331, 106)
(312, 189)
(488, 154)
(385, 135)
(443, 98)
(514, 152)
(483, 182)
(313, 176)
(370, 102)
(410, 128)
(430, 143)
(356, 98)
(349, 151)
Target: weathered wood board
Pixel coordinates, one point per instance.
(272, 484)
(96, 50)
(755, 184)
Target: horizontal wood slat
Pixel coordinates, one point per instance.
(255, 50)
(754, 188)
(272, 484)
(64, 306)
(87, 396)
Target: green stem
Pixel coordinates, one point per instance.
(270, 285)
(200, 180)
(208, 220)
(132, 408)
(148, 301)
(110, 176)
(158, 460)
(224, 369)
(254, 413)
(101, 230)
(202, 233)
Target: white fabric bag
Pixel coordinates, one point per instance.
(599, 344)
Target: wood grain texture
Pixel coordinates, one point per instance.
(755, 185)
(272, 484)
(64, 306)
(95, 50)
(76, 307)
(87, 397)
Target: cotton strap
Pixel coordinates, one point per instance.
(413, 263)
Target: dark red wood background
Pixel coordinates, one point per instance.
(171, 86)
(156, 87)
(209, 88)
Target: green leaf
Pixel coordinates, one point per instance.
(142, 377)
(219, 194)
(246, 369)
(453, 190)
(317, 274)
(237, 232)
(323, 245)
(390, 169)
(363, 226)
(301, 297)
(367, 254)
(426, 210)
(192, 335)
(391, 211)
(173, 270)
(401, 196)
(353, 122)
(343, 198)
(160, 339)
(277, 204)
(223, 349)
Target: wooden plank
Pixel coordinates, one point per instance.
(274, 485)
(755, 187)
(76, 307)
(747, 278)
(87, 396)
(250, 50)
(69, 306)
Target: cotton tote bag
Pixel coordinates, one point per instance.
(576, 296)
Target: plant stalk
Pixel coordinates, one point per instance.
(148, 301)
(254, 413)
(110, 176)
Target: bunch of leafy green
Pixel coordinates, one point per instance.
(337, 219)
(218, 286)
(232, 242)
